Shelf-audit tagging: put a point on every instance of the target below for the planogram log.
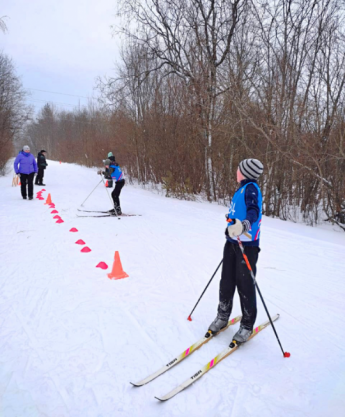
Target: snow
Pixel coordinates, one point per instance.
(71, 339)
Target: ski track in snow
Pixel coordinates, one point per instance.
(71, 340)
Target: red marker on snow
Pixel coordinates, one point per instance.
(102, 265)
(189, 318)
(287, 354)
(80, 242)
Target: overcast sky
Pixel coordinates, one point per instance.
(60, 46)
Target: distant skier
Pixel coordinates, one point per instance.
(246, 210)
(25, 167)
(111, 157)
(42, 165)
(114, 172)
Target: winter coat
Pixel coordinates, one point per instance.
(114, 172)
(246, 204)
(27, 163)
(117, 173)
(41, 161)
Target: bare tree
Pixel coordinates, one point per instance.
(191, 39)
(3, 26)
(13, 110)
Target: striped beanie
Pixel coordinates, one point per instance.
(251, 168)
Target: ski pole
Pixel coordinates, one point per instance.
(112, 202)
(285, 354)
(82, 204)
(209, 282)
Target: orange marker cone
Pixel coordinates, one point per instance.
(49, 200)
(106, 183)
(117, 272)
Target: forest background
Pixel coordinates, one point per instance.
(203, 84)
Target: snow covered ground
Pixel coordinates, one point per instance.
(71, 339)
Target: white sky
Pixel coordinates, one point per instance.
(60, 46)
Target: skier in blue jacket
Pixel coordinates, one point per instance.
(25, 166)
(114, 171)
(246, 210)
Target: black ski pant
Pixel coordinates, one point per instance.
(40, 175)
(235, 273)
(27, 179)
(117, 191)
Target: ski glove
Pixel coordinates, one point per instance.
(99, 172)
(237, 228)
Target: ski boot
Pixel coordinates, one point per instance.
(217, 325)
(242, 335)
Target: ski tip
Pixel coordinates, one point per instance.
(160, 399)
(135, 385)
(189, 318)
(287, 354)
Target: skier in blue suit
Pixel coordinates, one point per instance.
(114, 172)
(246, 210)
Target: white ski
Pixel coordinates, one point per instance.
(226, 352)
(184, 354)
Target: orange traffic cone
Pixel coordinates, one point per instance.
(117, 272)
(106, 183)
(49, 200)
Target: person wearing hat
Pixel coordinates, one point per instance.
(246, 212)
(111, 157)
(42, 165)
(114, 172)
(25, 167)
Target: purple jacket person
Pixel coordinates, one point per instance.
(26, 161)
(25, 166)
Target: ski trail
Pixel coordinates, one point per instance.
(34, 345)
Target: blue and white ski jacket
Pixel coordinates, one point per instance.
(117, 173)
(246, 204)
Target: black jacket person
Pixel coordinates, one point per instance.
(41, 164)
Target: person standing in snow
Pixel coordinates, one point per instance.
(246, 210)
(42, 165)
(111, 157)
(25, 167)
(114, 172)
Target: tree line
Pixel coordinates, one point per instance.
(204, 84)
(13, 109)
